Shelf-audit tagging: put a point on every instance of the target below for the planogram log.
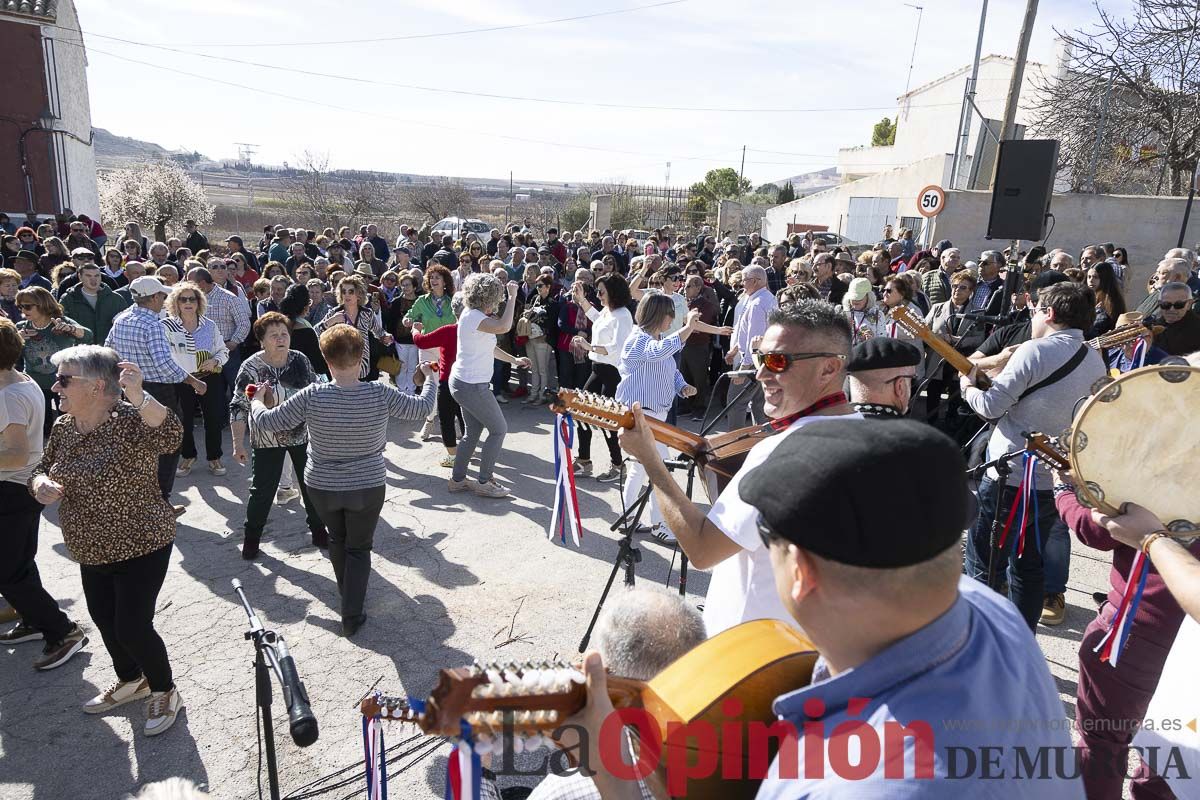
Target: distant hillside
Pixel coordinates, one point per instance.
(110, 146)
(810, 182)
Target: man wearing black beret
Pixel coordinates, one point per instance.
(801, 366)
(878, 589)
(881, 372)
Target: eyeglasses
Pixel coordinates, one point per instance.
(186, 299)
(1178, 306)
(779, 362)
(64, 380)
(26, 306)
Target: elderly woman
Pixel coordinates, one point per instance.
(318, 308)
(46, 331)
(649, 377)
(102, 462)
(21, 438)
(353, 309)
(432, 310)
(472, 374)
(867, 320)
(947, 321)
(345, 474)
(286, 371)
(198, 348)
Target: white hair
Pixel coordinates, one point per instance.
(94, 363)
(643, 630)
(170, 789)
(754, 272)
(481, 290)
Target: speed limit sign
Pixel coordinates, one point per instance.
(931, 201)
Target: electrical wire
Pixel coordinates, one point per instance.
(558, 101)
(465, 32)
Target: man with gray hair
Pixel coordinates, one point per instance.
(1182, 333)
(988, 289)
(1184, 254)
(936, 282)
(1169, 270)
(752, 324)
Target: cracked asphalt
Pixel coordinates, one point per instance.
(450, 572)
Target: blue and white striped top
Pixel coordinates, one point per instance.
(648, 372)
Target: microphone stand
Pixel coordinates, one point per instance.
(270, 649)
(1003, 470)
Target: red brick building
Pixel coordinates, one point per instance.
(47, 162)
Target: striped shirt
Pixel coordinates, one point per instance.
(366, 321)
(230, 312)
(648, 372)
(137, 335)
(192, 348)
(347, 429)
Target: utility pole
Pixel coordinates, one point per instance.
(741, 171)
(1018, 75)
(916, 35)
(964, 120)
(1100, 130)
(1187, 209)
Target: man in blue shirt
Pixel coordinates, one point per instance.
(928, 685)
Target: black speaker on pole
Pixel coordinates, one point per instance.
(1024, 184)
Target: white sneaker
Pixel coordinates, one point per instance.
(663, 534)
(161, 711)
(185, 468)
(285, 496)
(461, 486)
(490, 489)
(428, 429)
(118, 694)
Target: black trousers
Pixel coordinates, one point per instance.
(213, 407)
(603, 380)
(572, 374)
(20, 581)
(350, 517)
(448, 410)
(168, 395)
(121, 597)
(694, 365)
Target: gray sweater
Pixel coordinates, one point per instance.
(1048, 410)
(347, 429)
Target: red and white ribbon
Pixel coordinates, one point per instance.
(373, 750)
(1113, 643)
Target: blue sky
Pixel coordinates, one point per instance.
(755, 55)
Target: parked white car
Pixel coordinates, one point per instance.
(457, 227)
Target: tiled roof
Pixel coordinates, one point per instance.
(43, 9)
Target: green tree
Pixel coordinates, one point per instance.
(719, 184)
(787, 194)
(884, 133)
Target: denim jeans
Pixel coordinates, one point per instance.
(1026, 573)
(1056, 552)
(480, 411)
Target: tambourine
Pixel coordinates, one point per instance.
(1134, 441)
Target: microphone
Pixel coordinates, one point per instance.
(980, 315)
(301, 721)
(737, 373)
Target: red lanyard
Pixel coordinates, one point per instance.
(837, 398)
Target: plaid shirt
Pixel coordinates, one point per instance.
(231, 313)
(137, 335)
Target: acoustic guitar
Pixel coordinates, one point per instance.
(916, 326)
(754, 663)
(720, 456)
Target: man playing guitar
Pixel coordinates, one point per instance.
(801, 365)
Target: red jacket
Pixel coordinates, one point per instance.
(445, 339)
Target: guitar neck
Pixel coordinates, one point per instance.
(675, 438)
(939, 345)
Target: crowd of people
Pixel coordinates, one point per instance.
(307, 344)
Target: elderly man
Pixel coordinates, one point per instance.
(232, 316)
(1189, 256)
(1168, 270)
(756, 309)
(936, 282)
(136, 269)
(378, 243)
(608, 248)
(159, 253)
(800, 361)
(296, 258)
(25, 262)
(777, 271)
(1182, 334)
(195, 241)
(1060, 260)
(989, 290)
(881, 372)
(137, 335)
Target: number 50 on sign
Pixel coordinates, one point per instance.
(931, 201)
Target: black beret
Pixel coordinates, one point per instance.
(820, 489)
(883, 352)
(26, 255)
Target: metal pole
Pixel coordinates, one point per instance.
(1187, 209)
(964, 119)
(912, 59)
(741, 171)
(1100, 130)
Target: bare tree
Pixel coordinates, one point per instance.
(309, 185)
(439, 198)
(1141, 75)
(364, 195)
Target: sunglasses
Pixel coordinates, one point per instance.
(64, 380)
(186, 299)
(1178, 306)
(26, 306)
(779, 362)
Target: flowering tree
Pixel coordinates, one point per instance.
(158, 194)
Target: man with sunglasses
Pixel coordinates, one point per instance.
(881, 372)
(801, 366)
(1169, 270)
(1182, 333)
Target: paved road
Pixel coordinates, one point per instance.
(455, 578)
